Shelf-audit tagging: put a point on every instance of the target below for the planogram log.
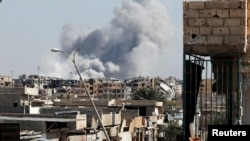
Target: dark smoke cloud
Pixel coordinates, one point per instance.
(129, 46)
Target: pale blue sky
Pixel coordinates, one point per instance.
(30, 28)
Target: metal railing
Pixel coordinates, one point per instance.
(211, 87)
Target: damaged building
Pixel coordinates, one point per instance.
(216, 63)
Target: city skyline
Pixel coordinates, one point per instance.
(29, 32)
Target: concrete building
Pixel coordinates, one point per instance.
(6, 82)
(123, 119)
(76, 120)
(98, 88)
(50, 127)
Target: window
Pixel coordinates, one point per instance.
(14, 104)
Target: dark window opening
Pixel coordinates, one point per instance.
(15, 105)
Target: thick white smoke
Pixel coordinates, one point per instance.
(129, 46)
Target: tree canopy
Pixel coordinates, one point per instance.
(148, 94)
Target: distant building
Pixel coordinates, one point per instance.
(6, 81)
(98, 88)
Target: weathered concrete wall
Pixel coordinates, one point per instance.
(212, 27)
(10, 103)
(108, 118)
(245, 70)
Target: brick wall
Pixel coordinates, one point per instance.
(215, 26)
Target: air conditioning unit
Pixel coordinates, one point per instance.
(24, 103)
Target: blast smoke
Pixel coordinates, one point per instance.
(129, 46)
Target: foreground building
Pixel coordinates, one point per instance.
(216, 41)
(76, 120)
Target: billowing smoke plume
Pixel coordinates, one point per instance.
(127, 47)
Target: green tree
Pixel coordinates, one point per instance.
(148, 94)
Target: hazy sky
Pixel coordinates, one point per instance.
(117, 38)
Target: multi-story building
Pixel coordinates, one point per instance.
(6, 81)
(139, 82)
(114, 113)
(113, 88)
(97, 88)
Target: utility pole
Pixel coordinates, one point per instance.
(12, 82)
(38, 69)
(85, 87)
